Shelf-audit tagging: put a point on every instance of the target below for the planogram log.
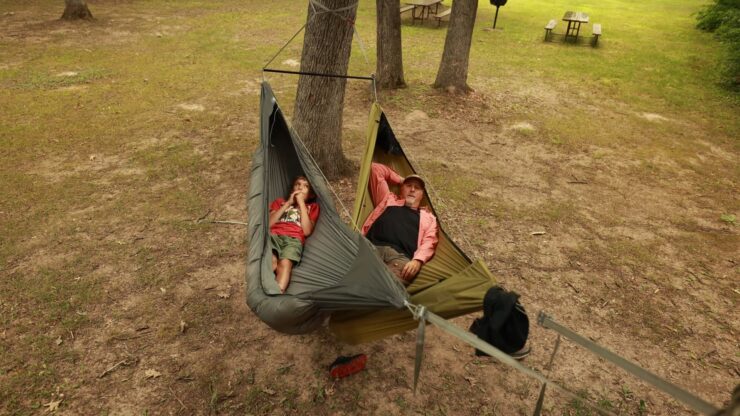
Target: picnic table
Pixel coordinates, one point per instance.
(425, 8)
(574, 19)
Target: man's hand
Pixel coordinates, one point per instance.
(410, 270)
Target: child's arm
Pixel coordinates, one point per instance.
(277, 211)
(306, 223)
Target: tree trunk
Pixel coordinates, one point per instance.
(76, 9)
(389, 55)
(319, 100)
(453, 70)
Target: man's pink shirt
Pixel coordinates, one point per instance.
(382, 196)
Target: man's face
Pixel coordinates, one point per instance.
(412, 192)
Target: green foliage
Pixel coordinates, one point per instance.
(723, 19)
(642, 408)
(729, 218)
(715, 15)
(579, 407)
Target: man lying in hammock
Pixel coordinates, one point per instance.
(404, 234)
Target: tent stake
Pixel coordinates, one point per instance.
(541, 399)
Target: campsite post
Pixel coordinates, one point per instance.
(497, 3)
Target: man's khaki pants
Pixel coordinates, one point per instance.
(394, 260)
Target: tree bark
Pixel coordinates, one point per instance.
(319, 100)
(389, 53)
(75, 10)
(453, 69)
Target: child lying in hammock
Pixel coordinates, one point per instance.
(291, 221)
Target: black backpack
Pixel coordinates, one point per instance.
(504, 324)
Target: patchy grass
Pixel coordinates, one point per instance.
(43, 80)
(116, 135)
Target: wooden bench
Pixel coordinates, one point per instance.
(441, 15)
(548, 29)
(404, 9)
(596, 33)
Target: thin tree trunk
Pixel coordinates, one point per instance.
(75, 10)
(453, 70)
(389, 54)
(319, 100)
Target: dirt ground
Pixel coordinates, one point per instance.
(625, 248)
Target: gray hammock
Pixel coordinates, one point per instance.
(339, 269)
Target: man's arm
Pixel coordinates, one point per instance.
(424, 252)
(428, 243)
(380, 175)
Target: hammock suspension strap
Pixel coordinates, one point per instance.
(420, 315)
(671, 389)
(316, 9)
(489, 349)
(315, 3)
(695, 403)
(318, 74)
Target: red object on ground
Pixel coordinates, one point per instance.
(346, 366)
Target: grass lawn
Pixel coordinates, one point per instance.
(117, 135)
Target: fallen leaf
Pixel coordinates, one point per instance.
(270, 392)
(163, 290)
(471, 380)
(183, 327)
(151, 373)
(59, 341)
(53, 405)
(224, 295)
(537, 233)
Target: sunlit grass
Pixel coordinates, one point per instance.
(100, 131)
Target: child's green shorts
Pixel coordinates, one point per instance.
(286, 247)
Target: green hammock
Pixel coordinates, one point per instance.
(449, 285)
(340, 274)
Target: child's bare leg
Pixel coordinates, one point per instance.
(274, 262)
(285, 266)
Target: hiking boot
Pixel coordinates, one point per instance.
(519, 355)
(346, 366)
